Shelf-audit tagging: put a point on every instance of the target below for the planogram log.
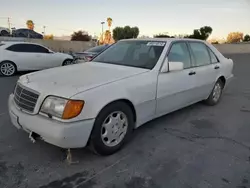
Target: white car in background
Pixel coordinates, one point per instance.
(127, 85)
(4, 32)
(24, 56)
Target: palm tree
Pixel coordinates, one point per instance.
(30, 24)
(109, 21)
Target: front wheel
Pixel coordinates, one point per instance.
(112, 128)
(68, 62)
(216, 93)
(7, 68)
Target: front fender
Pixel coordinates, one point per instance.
(96, 99)
(140, 90)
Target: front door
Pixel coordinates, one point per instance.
(44, 59)
(175, 89)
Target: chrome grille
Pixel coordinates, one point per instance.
(25, 99)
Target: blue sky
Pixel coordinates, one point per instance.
(62, 17)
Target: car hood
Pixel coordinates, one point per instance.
(70, 80)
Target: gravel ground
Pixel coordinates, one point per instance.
(198, 146)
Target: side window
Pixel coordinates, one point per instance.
(201, 54)
(214, 59)
(27, 48)
(16, 48)
(32, 48)
(39, 49)
(179, 53)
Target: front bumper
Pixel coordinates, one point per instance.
(64, 135)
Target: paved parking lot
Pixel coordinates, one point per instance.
(198, 146)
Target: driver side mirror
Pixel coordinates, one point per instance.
(175, 66)
(50, 52)
(172, 66)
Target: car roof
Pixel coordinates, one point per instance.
(163, 39)
(16, 42)
(22, 29)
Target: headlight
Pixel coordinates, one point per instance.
(62, 108)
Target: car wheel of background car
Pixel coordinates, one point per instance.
(67, 62)
(216, 93)
(112, 128)
(7, 68)
(4, 33)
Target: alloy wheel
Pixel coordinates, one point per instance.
(217, 92)
(68, 62)
(114, 128)
(7, 69)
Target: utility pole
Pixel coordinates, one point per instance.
(9, 24)
(102, 28)
(44, 27)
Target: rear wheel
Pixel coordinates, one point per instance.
(7, 68)
(216, 93)
(4, 33)
(112, 128)
(67, 62)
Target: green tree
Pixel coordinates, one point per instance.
(126, 32)
(246, 38)
(30, 24)
(163, 36)
(80, 36)
(135, 31)
(203, 33)
(118, 33)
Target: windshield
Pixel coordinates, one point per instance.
(141, 54)
(97, 49)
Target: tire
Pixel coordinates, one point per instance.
(4, 33)
(67, 62)
(215, 95)
(7, 68)
(100, 136)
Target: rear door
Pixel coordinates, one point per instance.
(207, 68)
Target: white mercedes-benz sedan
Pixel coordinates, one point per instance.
(132, 82)
(24, 56)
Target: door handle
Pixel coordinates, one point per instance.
(216, 67)
(192, 73)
